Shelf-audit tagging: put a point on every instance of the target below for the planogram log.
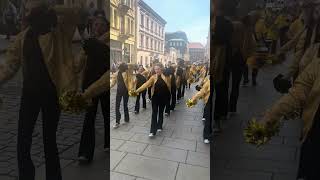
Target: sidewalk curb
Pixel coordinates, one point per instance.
(3, 51)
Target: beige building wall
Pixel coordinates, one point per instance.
(123, 30)
(150, 35)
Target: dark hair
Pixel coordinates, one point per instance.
(123, 67)
(42, 18)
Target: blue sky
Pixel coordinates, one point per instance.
(190, 16)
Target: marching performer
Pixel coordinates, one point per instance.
(140, 80)
(204, 94)
(43, 49)
(93, 61)
(160, 89)
(303, 95)
(171, 104)
(125, 82)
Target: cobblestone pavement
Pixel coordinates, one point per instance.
(68, 134)
(234, 159)
(177, 153)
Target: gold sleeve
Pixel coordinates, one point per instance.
(202, 92)
(80, 62)
(297, 96)
(292, 43)
(146, 85)
(98, 87)
(113, 80)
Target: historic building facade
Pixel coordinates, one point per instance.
(179, 41)
(197, 52)
(123, 30)
(150, 35)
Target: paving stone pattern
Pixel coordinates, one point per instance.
(278, 160)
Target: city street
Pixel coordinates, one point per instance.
(278, 160)
(178, 153)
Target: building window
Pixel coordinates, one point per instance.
(147, 23)
(142, 20)
(152, 44)
(151, 26)
(128, 30)
(122, 29)
(132, 27)
(147, 42)
(141, 59)
(156, 27)
(115, 18)
(141, 40)
(146, 61)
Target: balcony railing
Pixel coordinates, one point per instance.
(124, 35)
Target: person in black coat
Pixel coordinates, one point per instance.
(141, 79)
(170, 71)
(97, 53)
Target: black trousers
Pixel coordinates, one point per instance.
(87, 143)
(125, 97)
(149, 93)
(30, 107)
(171, 102)
(309, 153)
(224, 104)
(221, 101)
(236, 74)
(158, 105)
(180, 91)
(144, 102)
(173, 98)
(183, 89)
(207, 131)
(254, 74)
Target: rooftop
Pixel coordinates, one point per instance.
(195, 45)
(149, 9)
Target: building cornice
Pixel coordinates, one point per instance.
(148, 9)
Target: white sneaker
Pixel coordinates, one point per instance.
(159, 130)
(116, 125)
(206, 141)
(203, 119)
(151, 135)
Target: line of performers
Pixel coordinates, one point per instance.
(164, 86)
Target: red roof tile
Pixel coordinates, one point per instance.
(195, 46)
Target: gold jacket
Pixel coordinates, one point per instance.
(305, 94)
(98, 87)
(204, 93)
(128, 78)
(56, 47)
(152, 81)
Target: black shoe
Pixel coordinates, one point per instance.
(136, 112)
